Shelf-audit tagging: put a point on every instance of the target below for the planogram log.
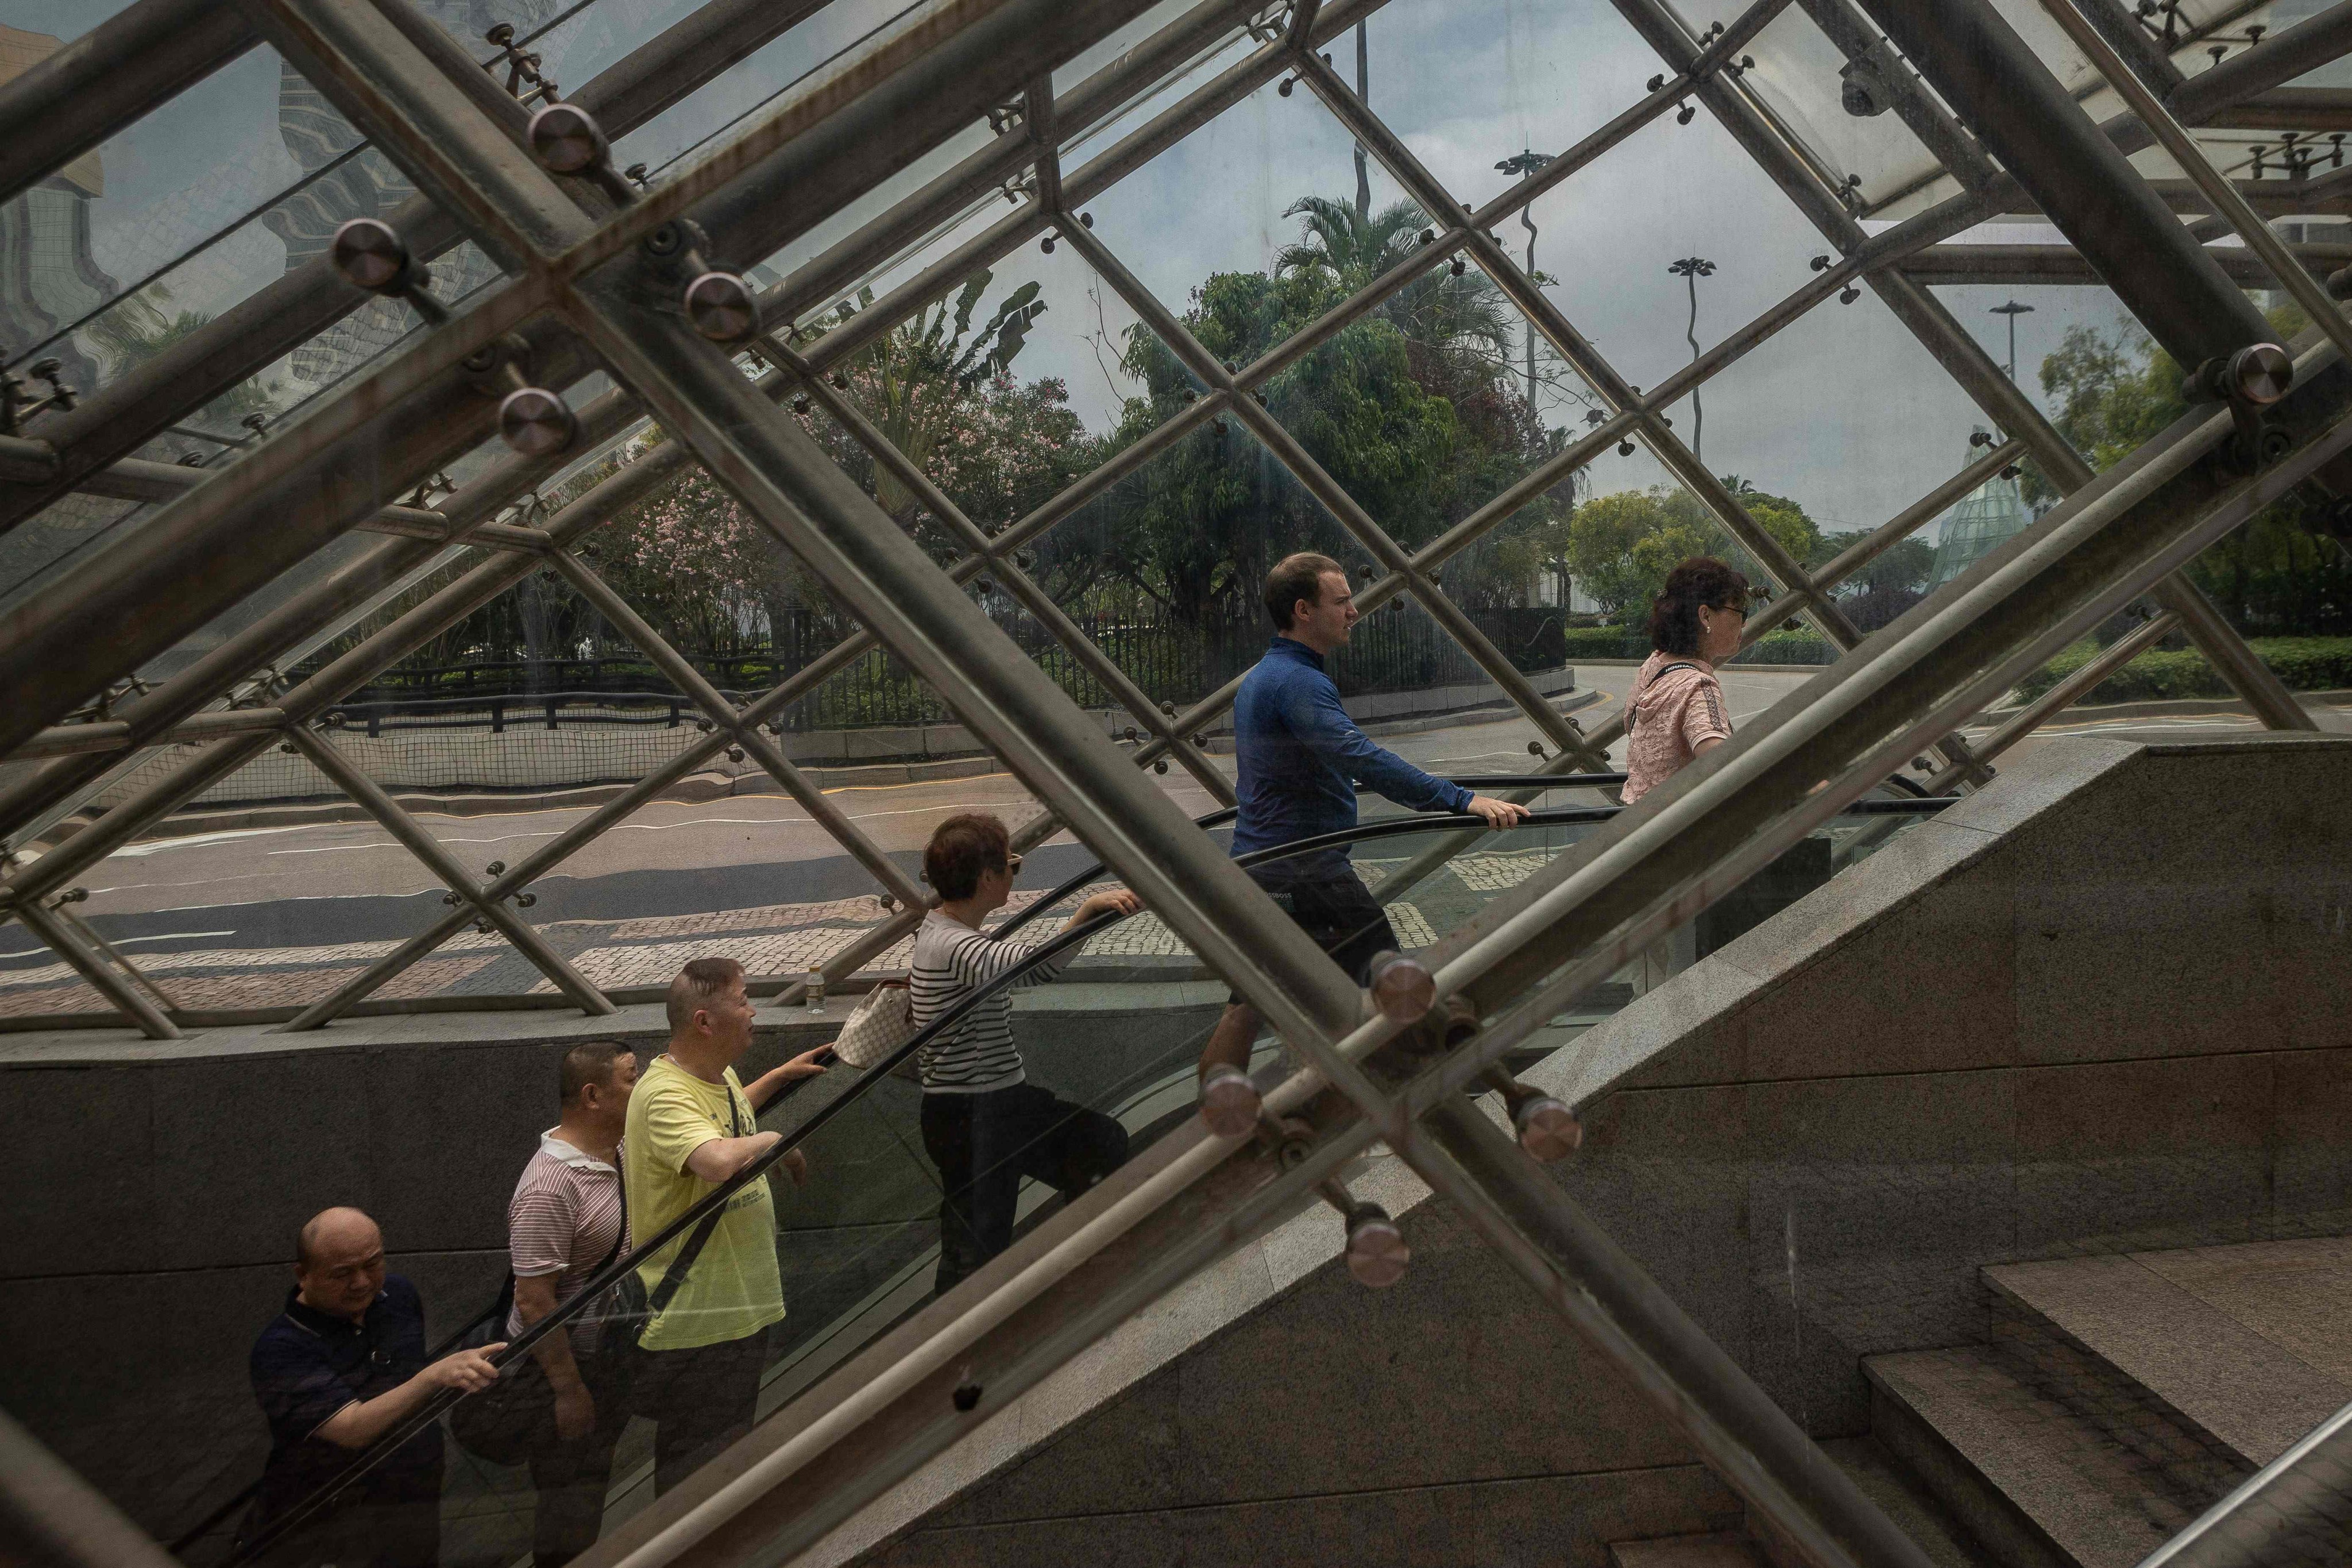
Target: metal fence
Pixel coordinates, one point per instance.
(1169, 658)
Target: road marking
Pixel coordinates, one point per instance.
(197, 840)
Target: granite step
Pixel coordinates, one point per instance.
(2038, 1484)
(2243, 1348)
(1722, 1550)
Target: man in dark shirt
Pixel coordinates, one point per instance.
(1301, 758)
(343, 1364)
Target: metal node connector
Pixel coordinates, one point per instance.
(722, 307)
(1377, 1254)
(1229, 1102)
(2259, 374)
(1401, 989)
(566, 140)
(1546, 1128)
(368, 253)
(535, 422)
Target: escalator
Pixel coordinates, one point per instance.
(858, 1244)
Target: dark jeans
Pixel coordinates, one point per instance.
(984, 1143)
(572, 1478)
(699, 1401)
(1333, 906)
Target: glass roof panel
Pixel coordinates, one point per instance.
(1544, 76)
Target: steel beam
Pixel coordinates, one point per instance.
(1088, 1268)
(999, 561)
(52, 1517)
(128, 65)
(116, 987)
(413, 838)
(248, 336)
(1940, 663)
(1951, 265)
(728, 718)
(2082, 183)
(2273, 63)
(427, 122)
(305, 614)
(1962, 357)
(313, 480)
(1311, 477)
(418, 441)
(2287, 1511)
(2307, 291)
(2064, 693)
(883, 577)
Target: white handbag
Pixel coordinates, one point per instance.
(879, 1025)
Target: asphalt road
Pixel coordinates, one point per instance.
(331, 883)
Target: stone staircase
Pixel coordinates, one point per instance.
(2121, 1396)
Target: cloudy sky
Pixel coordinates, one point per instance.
(1842, 411)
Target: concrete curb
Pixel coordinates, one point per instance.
(2172, 706)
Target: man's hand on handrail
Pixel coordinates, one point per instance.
(1497, 813)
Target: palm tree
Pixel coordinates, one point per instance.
(1442, 308)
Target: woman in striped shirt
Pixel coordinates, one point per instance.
(984, 1125)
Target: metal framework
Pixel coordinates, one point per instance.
(598, 274)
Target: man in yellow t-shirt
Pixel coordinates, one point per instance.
(691, 1125)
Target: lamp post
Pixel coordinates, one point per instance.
(2012, 309)
(1690, 270)
(1527, 162)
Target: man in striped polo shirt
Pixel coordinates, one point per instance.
(563, 1224)
(984, 1124)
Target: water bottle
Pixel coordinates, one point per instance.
(815, 996)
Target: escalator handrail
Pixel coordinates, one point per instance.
(613, 1273)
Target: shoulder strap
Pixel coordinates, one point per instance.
(1662, 670)
(673, 1279)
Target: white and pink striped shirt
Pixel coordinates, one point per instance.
(563, 1219)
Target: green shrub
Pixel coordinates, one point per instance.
(1591, 643)
(1604, 642)
(1789, 647)
(2305, 664)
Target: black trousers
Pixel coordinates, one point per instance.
(572, 1478)
(1333, 906)
(699, 1401)
(984, 1143)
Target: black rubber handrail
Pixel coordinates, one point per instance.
(614, 1272)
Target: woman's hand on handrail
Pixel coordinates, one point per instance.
(1117, 901)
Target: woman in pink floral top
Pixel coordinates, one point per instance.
(1676, 710)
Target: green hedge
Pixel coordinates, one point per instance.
(1619, 642)
(2305, 664)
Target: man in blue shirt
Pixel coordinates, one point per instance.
(1301, 759)
(343, 1364)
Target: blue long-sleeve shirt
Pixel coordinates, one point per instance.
(1302, 757)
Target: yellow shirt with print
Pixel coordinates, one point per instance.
(732, 1288)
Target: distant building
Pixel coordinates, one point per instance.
(47, 277)
(1993, 511)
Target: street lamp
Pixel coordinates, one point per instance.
(1524, 164)
(2013, 310)
(1690, 270)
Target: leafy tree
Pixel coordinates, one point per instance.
(1620, 547)
(2113, 389)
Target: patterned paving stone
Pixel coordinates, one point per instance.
(1496, 873)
